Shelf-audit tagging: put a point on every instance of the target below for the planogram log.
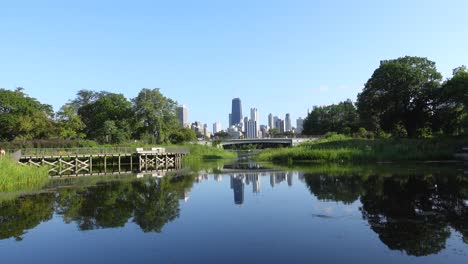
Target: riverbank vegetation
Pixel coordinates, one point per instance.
(341, 148)
(202, 152)
(15, 177)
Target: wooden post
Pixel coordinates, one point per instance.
(131, 162)
(91, 164)
(105, 163)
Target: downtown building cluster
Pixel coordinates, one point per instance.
(243, 126)
(250, 127)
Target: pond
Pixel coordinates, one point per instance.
(245, 213)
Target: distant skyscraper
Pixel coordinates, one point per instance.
(270, 121)
(299, 125)
(236, 114)
(287, 123)
(217, 127)
(182, 114)
(254, 114)
(279, 124)
(251, 129)
(275, 122)
(230, 120)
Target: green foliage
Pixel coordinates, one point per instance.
(69, 123)
(182, 135)
(340, 118)
(23, 117)
(15, 177)
(155, 116)
(108, 118)
(401, 92)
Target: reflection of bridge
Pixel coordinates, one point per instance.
(264, 142)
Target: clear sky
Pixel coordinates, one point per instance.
(278, 56)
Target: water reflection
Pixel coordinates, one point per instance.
(150, 203)
(410, 212)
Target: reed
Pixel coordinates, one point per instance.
(340, 148)
(15, 177)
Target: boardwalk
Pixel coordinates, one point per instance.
(101, 161)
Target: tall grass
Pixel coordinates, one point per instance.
(340, 148)
(15, 177)
(201, 152)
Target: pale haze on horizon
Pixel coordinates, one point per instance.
(277, 56)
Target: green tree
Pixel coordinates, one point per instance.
(69, 124)
(108, 118)
(340, 118)
(401, 91)
(452, 109)
(155, 116)
(182, 135)
(23, 117)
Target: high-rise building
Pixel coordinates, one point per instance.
(299, 125)
(271, 124)
(287, 123)
(182, 114)
(251, 129)
(236, 113)
(217, 127)
(275, 122)
(254, 114)
(230, 120)
(279, 124)
(206, 132)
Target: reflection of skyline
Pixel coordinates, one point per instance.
(238, 181)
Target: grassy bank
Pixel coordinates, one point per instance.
(201, 152)
(340, 148)
(15, 177)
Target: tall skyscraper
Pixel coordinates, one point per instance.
(217, 127)
(287, 122)
(275, 122)
(299, 125)
(252, 131)
(279, 124)
(271, 124)
(254, 114)
(182, 114)
(236, 113)
(230, 120)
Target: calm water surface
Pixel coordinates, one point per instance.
(234, 214)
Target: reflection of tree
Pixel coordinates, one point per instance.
(403, 218)
(345, 189)
(152, 203)
(155, 204)
(412, 213)
(24, 213)
(101, 206)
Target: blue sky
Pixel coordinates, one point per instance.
(278, 56)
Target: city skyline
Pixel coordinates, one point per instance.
(276, 57)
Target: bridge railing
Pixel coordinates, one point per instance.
(92, 151)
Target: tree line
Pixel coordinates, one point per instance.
(103, 117)
(404, 97)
